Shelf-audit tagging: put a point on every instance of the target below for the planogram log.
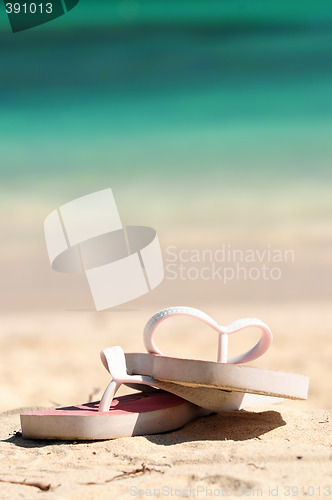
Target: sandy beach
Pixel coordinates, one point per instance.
(263, 452)
(212, 123)
(51, 336)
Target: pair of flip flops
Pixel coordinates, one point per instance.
(175, 391)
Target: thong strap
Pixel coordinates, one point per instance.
(223, 331)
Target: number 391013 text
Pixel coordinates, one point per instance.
(31, 8)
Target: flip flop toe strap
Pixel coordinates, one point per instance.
(223, 332)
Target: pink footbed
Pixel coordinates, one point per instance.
(133, 403)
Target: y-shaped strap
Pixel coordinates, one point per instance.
(113, 358)
(223, 331)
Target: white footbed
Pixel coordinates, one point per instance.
(240, 378)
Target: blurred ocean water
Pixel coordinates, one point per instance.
(211, 120)
(148, 88)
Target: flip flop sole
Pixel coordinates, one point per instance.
(132, 415)
(239, 378)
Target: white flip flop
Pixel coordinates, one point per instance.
(225, 374)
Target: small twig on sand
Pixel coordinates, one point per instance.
(54, 403)
(256, 466)
(36, 484)
(136, 472)
(93, 393)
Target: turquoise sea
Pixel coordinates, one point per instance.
(211, 121)
(142, 89)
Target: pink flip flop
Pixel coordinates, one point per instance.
(136, 414)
